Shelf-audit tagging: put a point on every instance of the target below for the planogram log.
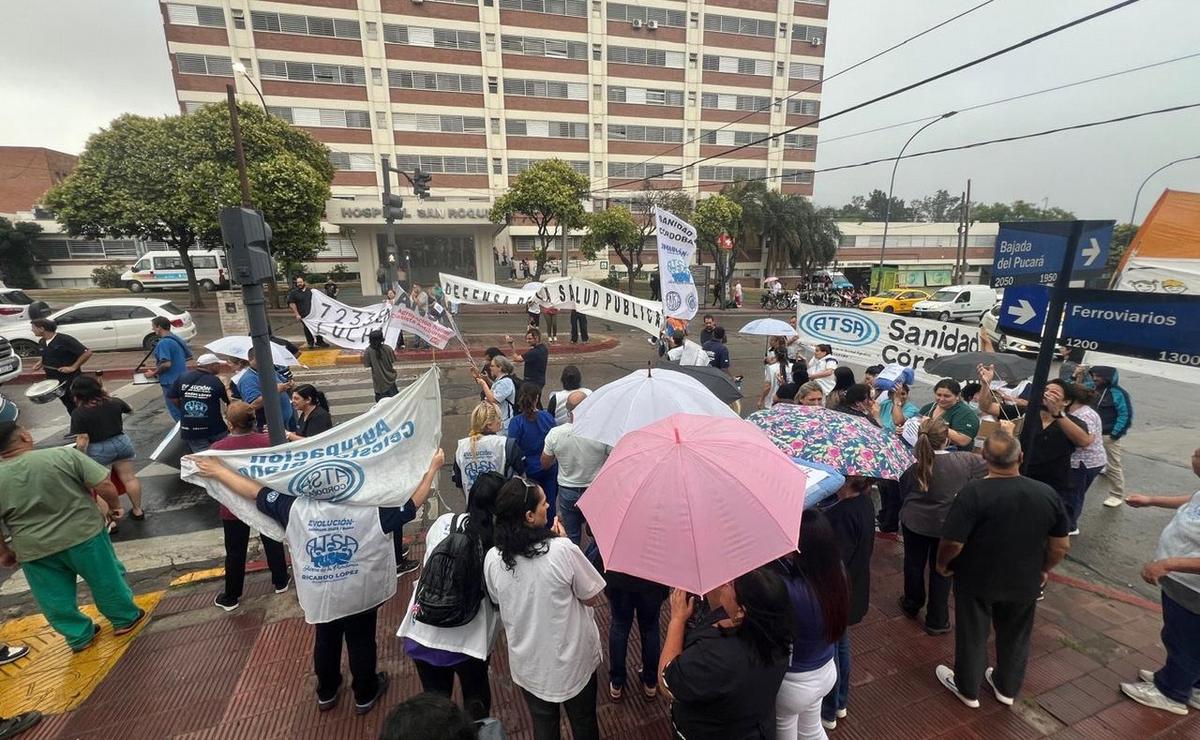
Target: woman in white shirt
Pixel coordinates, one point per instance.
(775, 373)
(441, 653)
(546, 589)
(484, 449)
(502, 391)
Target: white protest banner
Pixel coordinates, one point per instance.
(433, 327)
(870, 338)
(676, 250)
(342, 325)
(375, 459)
(564, 292)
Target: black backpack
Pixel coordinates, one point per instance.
(451, 585)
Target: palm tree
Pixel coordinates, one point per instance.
(790, 231)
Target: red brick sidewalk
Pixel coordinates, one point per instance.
(199, 673)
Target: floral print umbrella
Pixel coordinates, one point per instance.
(849, 444)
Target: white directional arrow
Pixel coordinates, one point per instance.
(1091, 251)
(1024, 312)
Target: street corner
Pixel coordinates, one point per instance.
(325, 357)
(51, 678)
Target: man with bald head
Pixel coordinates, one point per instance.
(579, 461)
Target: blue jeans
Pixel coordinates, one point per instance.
(172, 409)
(201, 444)
(1181, 638)
(624, 604)
(840, 695)
(568, 512)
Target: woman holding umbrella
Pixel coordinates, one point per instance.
(959, 417)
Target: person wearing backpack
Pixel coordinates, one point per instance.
(450, 624)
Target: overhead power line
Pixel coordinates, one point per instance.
(912, 86)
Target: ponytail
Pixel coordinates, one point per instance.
(932, 435)
(310, 393)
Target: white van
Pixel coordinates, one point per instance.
(957, 302)
(165, 270)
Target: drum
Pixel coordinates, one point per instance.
(45, 391)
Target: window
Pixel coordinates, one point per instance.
(440, 38)
(804, 107)
(446, 165)
(517, 166)
(730, 137)
(168, 263)
(741, 26)
(800, 176)
(551, 129)
(724, 101)
(802, 71)
(323, 117)
(493, 85)
(807, 33)
(597, 131)
(87, 315)
(352, 162)
(376, 76)
(372, 31)
(308, 72)
(546, 89)
(644, 96)
(195, 15)
(694, 20)
(380, 119)
(239, 18)
(201, 64)
(597, 169)
(653, 134)
(528, 243)
(596, 8)
(597, 52)
(495, 125)
(439, 123)
(577, 8)
(497, 166)
(597, 92)
(729, 174)
(635, 170)
(648, 57)
(307, 25)
(799, 141)
(540, 47)
(664, 17)
(490, 41)
(439, 81)
(737, 65)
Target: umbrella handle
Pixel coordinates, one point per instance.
(648, 367)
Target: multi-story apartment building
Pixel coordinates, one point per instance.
(474, 91)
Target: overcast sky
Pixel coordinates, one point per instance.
(69, 66)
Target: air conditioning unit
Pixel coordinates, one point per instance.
(816, 40)
(652, 25)
(636, 23)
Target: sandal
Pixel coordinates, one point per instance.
(138, 517)
(616, 693)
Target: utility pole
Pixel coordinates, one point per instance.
(962, 273)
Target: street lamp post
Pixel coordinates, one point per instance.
(887, 212)
(240, 69)
(1136, 198)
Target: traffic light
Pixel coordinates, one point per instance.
(393, 207)
(420, 183)
(248, 237)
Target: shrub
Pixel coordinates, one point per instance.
(108, 276)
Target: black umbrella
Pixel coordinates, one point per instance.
(717, 381)
(962, 366)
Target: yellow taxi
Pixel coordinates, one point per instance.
(900, 300)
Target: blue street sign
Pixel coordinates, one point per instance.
(1023, 310)
(1154, 326)
(1033, 251)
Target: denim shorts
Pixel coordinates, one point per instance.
(111, 450)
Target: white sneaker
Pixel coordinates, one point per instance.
(946, 676)
(1113, 502)
(1073, 533)
(1193, 700)
(1005, 700)
(841, 713)
(1147, 694)
(829, 724)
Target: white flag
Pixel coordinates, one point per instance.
(676, 252)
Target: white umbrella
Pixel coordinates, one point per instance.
(768, 328)
(640, 398)
(239, 346)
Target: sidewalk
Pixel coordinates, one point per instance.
(195, 672)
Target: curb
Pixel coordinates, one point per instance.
(1107, 592)
(349, 357)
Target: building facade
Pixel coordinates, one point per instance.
(922, 254)
(27, 172)
(475, 91)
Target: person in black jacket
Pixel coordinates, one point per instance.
(312, 412)
(852, 515)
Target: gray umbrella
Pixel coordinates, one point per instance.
(962, 366)
(717, 381)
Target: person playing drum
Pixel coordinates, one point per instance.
(62, 357)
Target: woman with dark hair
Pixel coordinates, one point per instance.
(382, 361)
(959, 417)
(927, 490)
(529, 427)
(843, 378)
(775, 374)
(572, 380)
(545, 589)
(1086, 462)
(724, 673)
(99, 430)
(857, 401)
(312, 412)
(820, 595)
(441, 653)
(428, 716)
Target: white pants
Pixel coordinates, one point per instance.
(798, 703)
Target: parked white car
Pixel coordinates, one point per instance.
(108, 324)
(17, 307)
(957, 302)
(10, 363)
(1003, 342)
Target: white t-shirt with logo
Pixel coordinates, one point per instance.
(579, 459)
(821, 364)
(553, 642)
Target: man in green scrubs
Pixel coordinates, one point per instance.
(58, 534)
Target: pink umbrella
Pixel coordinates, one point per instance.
(694, 502)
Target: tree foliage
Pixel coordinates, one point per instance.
(16, 253)
(873, 207)
(550, 195)
(1018, 210)
(714, 216)
(615, 229)
(789, 229)
(1121, 239)
(943, 207)
(165, 179)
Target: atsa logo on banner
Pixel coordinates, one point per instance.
(331, 480)
(331, 550)
(838, 328)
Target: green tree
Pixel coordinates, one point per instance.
(550, 195)
(16, 253)
(716, 215)
(937, 208)
(1018, 210)
(615, 229)
(1121, 239)
(642, 207)
(788, 228)
(873, 207)
(165, 179)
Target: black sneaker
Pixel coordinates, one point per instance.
(404, 552)
(381, 684)
(284, 588)
(14, 726)
(10, 654)
(406, 566)
(910, 613)
(324, 705)
(226, 603)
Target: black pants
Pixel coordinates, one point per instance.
(358, 630)
(308, 336)
(581, 713)
(578, 326)
(387, 394)
(237, 539)
(68, 400)
(920, 557)
(973, 618)
(889, 506)
(472, 678)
